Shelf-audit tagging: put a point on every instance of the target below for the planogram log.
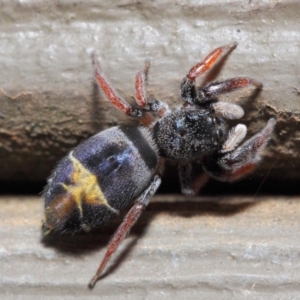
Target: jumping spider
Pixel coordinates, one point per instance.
(123, 165)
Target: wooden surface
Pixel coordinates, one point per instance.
(48, 102)
(181, 248)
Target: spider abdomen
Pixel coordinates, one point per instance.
(99, 178)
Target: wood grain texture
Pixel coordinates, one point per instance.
(48, 102)
(181, 248)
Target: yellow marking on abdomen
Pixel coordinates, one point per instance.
(85, 187)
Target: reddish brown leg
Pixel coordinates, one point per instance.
(188, 92)
(208, 61)
(119, 103)
(122, 231)
(226, 86)
(232, 165)
(140, 90)
(140, 82)
(157, 108)
(126, 225)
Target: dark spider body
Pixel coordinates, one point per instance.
(123, 165)
(189, 133)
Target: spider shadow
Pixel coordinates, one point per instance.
(80, 244)
(192, 208)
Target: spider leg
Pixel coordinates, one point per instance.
(188, 91)
(208, 61)
(140, 83)
(118, 102)
(156, 107)
(189, 182)
(227, 110)
(129, 220)
(230, 164)
(226, 86)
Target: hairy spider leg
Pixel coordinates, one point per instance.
(140, 83)
(188, 92)
(129, 220)
(227, 110)
(208, 61)
(118, 102)
(156, 107)
(140, 94)
(229, 85)
(232, 165)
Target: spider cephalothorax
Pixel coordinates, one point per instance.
(189, 133)
(123, 164)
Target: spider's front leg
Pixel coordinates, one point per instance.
(227, 110)
(232, 162)
(207, 93)
(188, 90)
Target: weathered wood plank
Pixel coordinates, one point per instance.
(200, 248)
(47, 99)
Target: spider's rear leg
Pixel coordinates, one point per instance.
(140, 86)
(230, 164)
(155, 107)
(129, 220)
(188, 91)
(118, 102)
